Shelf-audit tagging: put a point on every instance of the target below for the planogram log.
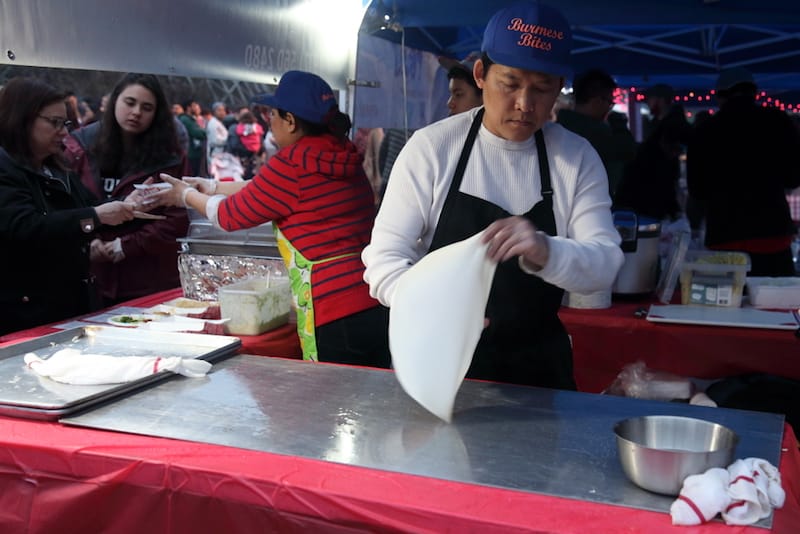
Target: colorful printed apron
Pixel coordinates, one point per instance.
(299, 268)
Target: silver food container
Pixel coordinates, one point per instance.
(640, 238)
(211, 258)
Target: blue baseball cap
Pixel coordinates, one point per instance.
(531, 36)
(303, 94)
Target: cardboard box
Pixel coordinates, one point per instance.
(255, 305)
(711, 278)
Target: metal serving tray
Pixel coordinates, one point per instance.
(521, 438)
(204, 238)
(23, 393)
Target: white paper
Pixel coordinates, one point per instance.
(436, 320)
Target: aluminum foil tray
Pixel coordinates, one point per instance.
(203, 274)
(23, 393)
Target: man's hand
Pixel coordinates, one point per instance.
(516, 237)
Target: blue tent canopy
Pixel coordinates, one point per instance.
(680, 42)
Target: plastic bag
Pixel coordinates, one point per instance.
(637, 381)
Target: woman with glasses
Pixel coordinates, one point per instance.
(46, 215)
(135, 140)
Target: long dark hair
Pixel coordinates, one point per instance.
(154, 146)
(336, 123)
(21, 100)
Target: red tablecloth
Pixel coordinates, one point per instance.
(55, 478)
(282, 341)
(605, 340)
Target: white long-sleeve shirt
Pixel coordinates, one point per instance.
(216, 134)
(584, 256)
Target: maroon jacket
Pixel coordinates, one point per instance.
(150, 246)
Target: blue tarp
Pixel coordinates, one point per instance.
(681, 42)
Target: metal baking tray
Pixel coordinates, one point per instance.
(23, 393)
(204, 238)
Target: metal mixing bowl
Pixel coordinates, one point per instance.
(658, 451)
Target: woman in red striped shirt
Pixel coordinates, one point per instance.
(320, 202)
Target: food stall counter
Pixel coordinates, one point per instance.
(77, 478)
(280, 342)
(606, 340)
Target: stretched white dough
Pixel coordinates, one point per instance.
(436, 319)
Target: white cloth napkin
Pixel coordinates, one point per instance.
(755, 488)
(744, 493)
(436, 319)
(71, 366)
(702, 497)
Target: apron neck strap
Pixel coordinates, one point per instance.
(465, 152)
(544, 166)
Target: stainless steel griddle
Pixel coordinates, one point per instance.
(529, 439)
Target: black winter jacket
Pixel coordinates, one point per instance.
(45, 246)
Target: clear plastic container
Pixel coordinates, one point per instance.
(255, 305)
(714, 278)
(774, 292)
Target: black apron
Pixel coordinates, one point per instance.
(525, 342)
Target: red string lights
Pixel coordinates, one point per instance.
(696, 99)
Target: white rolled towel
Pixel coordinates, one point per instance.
(754, 489)
(71, 366)
(774, 490)
(702, 497)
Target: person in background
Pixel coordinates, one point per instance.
(464, 95)
(216, 132)
(650, 182)
(262, 114)
(536, 191)
(372, 147)
(182, 133)
(135, 141)
(594, 99)
(103, 107)
(320, 203)
(230, 119)
(92, 110)
(73, 114)
(701, 117)
(564, 101)
(197, 135)
(394, 139)
(660, 102)
(205, 116)
(245, 142)
(464, 92)
(47, 218)
(739, 165)
(198, 113)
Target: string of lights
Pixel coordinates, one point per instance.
(698, 99)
